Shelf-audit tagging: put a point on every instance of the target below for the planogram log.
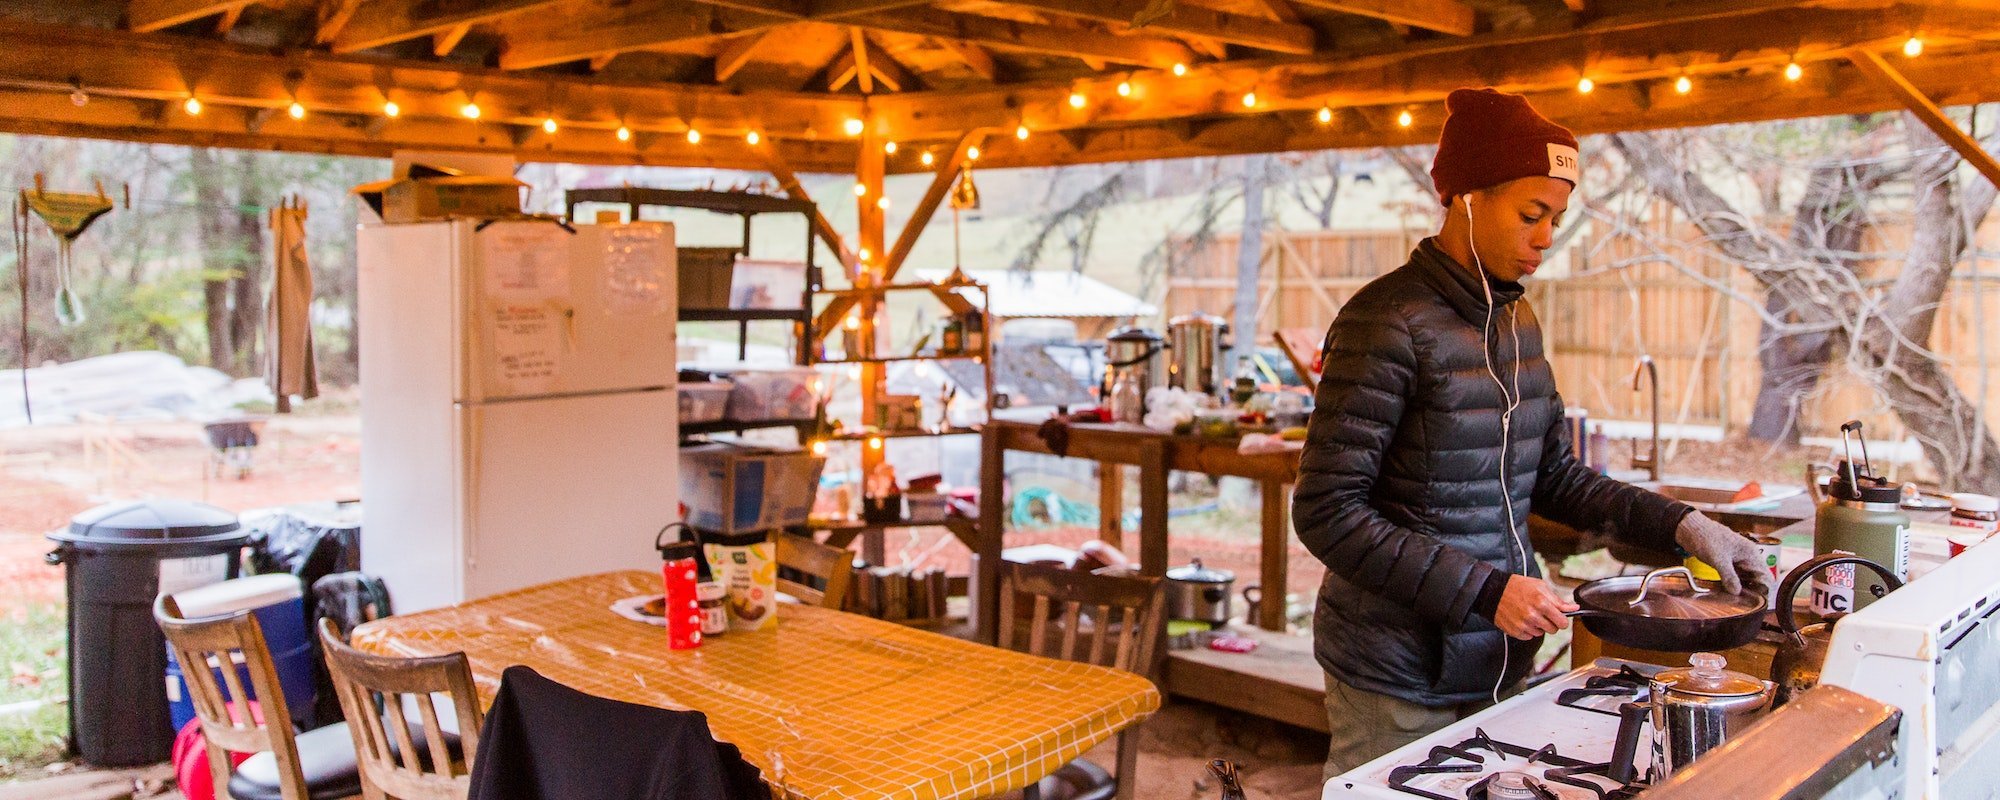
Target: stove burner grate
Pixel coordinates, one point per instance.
(1469, 756)
(1625, 684)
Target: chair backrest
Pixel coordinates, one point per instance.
(831, 567)
(1124, 622)
(375, 692)
(209, 651)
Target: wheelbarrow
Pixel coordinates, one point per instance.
(232, 444)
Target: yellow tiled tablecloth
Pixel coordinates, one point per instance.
(828, 704)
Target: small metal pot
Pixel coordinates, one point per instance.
(1195, 592)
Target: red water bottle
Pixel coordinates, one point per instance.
(682, 608)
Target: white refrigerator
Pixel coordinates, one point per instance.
(518, 414)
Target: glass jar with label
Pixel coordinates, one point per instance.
(714, 615)
(1980, 513)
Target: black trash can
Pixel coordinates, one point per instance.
(120, 557)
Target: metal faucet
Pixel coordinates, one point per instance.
(1651, 461)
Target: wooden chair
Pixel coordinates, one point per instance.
(1123, 629)
(312, 766)
(374, 694)
(831, 568)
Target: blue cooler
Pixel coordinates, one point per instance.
(278, 601)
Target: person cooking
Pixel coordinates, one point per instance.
(1437, 431)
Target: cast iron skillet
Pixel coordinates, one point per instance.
(1666, 610)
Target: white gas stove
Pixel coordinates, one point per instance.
(1552, 742)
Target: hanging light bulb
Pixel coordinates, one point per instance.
(1124, 88)
(852, 322)
(192, 107)
(874, 442)
(1325, 115)
(854, 372)
(549, 125)
(297, 110)
(860, 190)
(972, 153)
(624, 134)
(819, 447)
(1793, 71)
(882, 202)
(1404, 119)
(1250, 99)
(694, 136)
(1180, 69)
(1077, 100)
(889, 148)
(1021, 132)
(927, 158)
(852, 126)
(469, 110)
(1683, 85)
(752, 138)
(1913, 48)
(391, 110)
(1585, 86)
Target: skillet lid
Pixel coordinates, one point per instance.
(1669, 593)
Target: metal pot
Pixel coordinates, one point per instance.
(1667, 610)
(1692, 710)
(1195, 342)
(1136, 352)
(1197, 593)
(1796, 666)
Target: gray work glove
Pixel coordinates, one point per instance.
(1732, 555)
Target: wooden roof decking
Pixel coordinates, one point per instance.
(801, 74)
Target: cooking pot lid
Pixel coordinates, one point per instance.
(1196, 573)
(1132, 333)
(1706, 676)
(1672, 596)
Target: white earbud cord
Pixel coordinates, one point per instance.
(1511, 401)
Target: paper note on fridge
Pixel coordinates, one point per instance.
(527, 347)
(525, 263)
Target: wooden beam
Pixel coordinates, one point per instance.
(333, 18)
(1188, 20)
(152, 15)
(1617, 49)
(1280, 10)
(829, 10)
(229, 19)
(380, 22)
(975, 57)
(140, 66)
(548, 41)
(920, 217)
(1011, 35)
(841, 71)
(1576, 6)
(1951, 80)
(788, 182)
(1443, 16)
(1879, 70)
(737, 54)
(602, 61)
(858, 45)
(794, 9)
(443, 43)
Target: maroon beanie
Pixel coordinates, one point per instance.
(1491, 138)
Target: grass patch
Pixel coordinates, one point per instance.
(32, 667)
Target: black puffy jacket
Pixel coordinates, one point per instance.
(1399, 490)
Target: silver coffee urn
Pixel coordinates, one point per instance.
(1195, 348)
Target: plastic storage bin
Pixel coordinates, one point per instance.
(767, 284)
(761, 395)
(704, 402)
(278, 601)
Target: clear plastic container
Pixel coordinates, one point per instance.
(704, 402)
(767, 284)
(771, 394)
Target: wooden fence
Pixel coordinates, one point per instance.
(1658, 293)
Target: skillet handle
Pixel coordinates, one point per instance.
(1631, 717)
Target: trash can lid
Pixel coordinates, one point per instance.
(228, 597)
(151, 522)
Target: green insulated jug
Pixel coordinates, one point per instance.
(1861, 516)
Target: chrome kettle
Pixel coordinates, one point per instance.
(1692, 710)
(1796, 666)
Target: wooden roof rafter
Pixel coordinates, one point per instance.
(152, 15)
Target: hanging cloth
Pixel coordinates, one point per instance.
(289, 367)
(68, 215)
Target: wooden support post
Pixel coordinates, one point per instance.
(1875, 67)
(992, 521)
(1153, 507)
(1276, 557)
(1111, 503)
(868, 171)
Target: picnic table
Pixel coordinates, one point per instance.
(828, 704)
